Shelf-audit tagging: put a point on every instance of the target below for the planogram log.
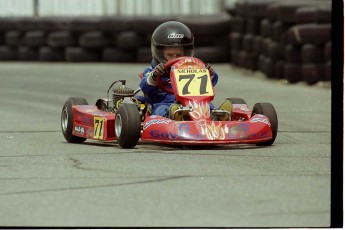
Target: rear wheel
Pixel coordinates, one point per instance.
(67, 119)
(268, 110)
(127, 125)
(236, 100)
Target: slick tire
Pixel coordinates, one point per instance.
(278, 29)
(322, 13)
(238, 24)
(313, 73)
(265, 28)
(13, 38)
(144, 55)
(257, 45)
(287, 9)
(256, 9)
(116, 24)
(253, 26)
(84, 24)
(93, 40)
(266, 66)
(317, 34)
(293, 72)
(61, 39)
(78, 54)
(35, 38)
(127, 125)
(8, 53)
(250, 61)
(55, 23)
(293, 54)
(110, 54)
(207, 24)
(129, 40)
(328, 51)
(236, 100)
(269, 67)
(50, 54)
(209, 40)
(67, 119)
(27, 53)
(312, 54)
(147, 24)
(247, 43)
(268, 110)
(8, 23)
(212, 54)
(274, 51)
(279, 69)
(236, 41)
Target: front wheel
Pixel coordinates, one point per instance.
(127, 125)
(268, 110)
(67, 119)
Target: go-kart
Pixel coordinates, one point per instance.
(125, 118)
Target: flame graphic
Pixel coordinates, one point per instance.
(199, 111)
(213, 131)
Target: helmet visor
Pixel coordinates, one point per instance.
(166, 53)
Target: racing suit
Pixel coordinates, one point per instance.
(159, 99)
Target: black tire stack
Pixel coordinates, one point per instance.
(107, 39)
(211, 34)
(10, 39)
(288, 40)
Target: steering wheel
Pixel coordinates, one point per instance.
(164, 84)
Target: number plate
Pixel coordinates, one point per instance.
(193, 82)
(98, 127)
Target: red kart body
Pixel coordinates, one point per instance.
(191, 84)
(254, 130)
(92, 123)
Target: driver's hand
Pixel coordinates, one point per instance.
(158, 71)
(209, 67)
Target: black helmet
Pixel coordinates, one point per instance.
(171, 34)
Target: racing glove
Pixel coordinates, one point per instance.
(158, 71)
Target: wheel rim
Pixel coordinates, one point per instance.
(118, 125)
(64, 119)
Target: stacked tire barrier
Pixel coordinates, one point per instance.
(288, 40)
(107, 39)
(283, 39)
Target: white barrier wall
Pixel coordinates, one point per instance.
(110, 7)
(16, 8)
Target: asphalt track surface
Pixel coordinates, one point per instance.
(45, 181)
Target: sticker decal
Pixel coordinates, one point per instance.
(98, 127)
(261, 119)
(194, 82)
(154, 122)
(79, 129)
(175, 35)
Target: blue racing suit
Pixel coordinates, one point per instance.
(159, 99)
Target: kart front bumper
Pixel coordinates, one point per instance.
(159, 129)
